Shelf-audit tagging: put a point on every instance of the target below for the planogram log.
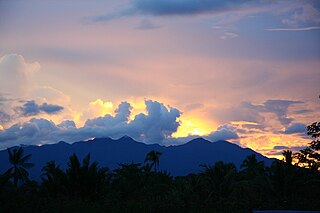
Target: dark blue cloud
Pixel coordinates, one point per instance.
(31, 108)
(178, 7)
(280, 147)
(224, 132)
(187, 7)
(280, 108)
(159, 122)
(252, 112)
(4, 117)
(121, 117)
(296, 128)
(155, 126)
(33, 130)
(67, 124)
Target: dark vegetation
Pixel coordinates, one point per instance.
(293, 183)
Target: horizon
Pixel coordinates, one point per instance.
(160, 72)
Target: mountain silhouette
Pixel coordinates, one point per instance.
(177, 160)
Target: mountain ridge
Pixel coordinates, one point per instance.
(177, 160)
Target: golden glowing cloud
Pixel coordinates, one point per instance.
(191, 124)
(102, 108)
(264, 143)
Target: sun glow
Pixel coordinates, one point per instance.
(101, 107)
(191, 125)
(265, 143)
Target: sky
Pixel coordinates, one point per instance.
(160, 71)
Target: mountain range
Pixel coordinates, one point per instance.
(177, 160)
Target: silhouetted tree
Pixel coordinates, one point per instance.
(219, 182)
(310, 157)
(153, 157)
(252, 167)
(287, 154)
(54, 179)
(85, 181)
(20, 164)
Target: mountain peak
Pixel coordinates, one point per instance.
(178, 160)
(199, 140)
(125, 137)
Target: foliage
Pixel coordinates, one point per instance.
(18, 171)
(85, 187)
(310, 156)
(153, 157)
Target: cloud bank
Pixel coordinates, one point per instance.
(158, 124)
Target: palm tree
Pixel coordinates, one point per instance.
(53, 179)
(252, 167)
(287, 154)
(19, 165)
(153, 157)
(86, 180)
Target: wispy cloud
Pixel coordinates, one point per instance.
(228, 35)
(177, 8)
(294, 29)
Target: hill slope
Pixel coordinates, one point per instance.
(178, 160)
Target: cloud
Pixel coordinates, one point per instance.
(4, 117)
(31, 108)
(146, 24)
(302, 12)
(294, 29)
(32, 132)
(187, 7)
(67, 124)
(121, 117)
(224, 132)
(228, 35)
(277, 107)
(16, 74)
(158, 124)
(280, 108)
(295, 128)
(280, 147)
(275, 149)
(177, 8)
(18, 85)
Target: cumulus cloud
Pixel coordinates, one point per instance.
(121, 117)
(67, 124)
(158, 124)
(224, 132)
(18, 84)
(295, 128)
(31, 108)
(34, 131)
(16, 75)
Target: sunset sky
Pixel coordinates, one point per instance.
(160, 71)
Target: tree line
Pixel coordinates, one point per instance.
(84, 186)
